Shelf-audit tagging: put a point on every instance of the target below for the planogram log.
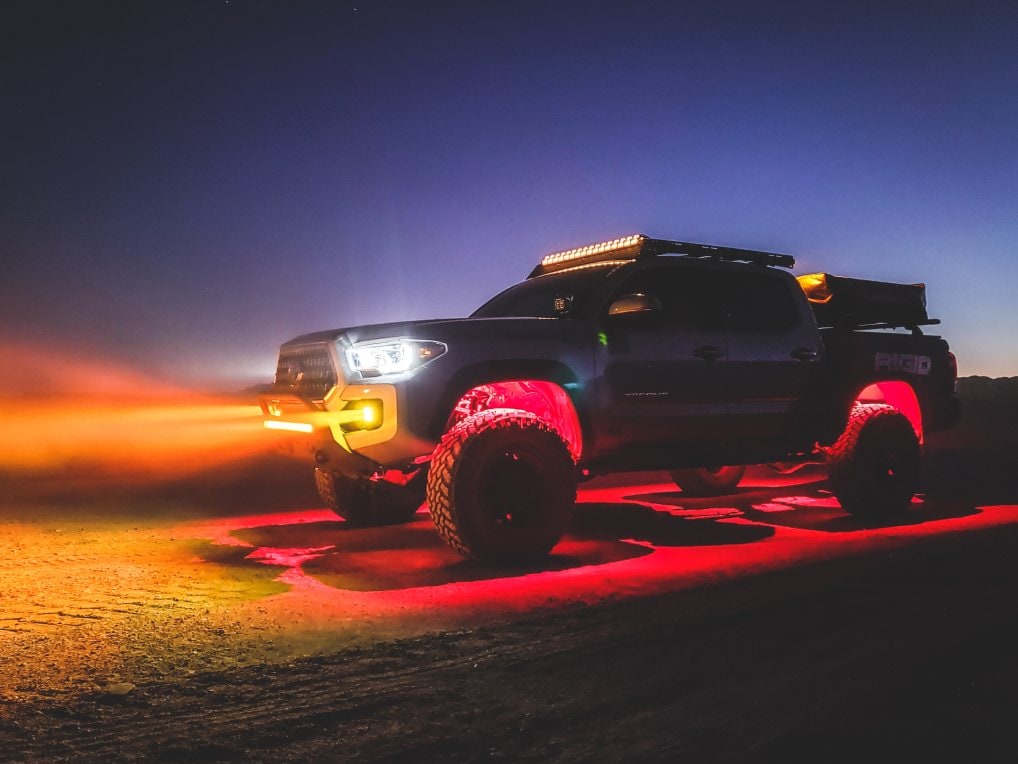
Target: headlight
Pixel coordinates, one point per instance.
(395, 356)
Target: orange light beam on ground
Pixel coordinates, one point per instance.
(127, 436)
(78, 417)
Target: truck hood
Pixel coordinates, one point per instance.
(435, 329)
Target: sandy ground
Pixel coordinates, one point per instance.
(225, 614)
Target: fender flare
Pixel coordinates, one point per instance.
(493, 373)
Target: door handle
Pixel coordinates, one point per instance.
(804, 354)
(709, 352)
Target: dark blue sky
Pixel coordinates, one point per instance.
(185, 185)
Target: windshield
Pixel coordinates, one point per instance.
(552, 296)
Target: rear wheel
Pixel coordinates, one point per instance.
(365, 503)
(874, 465)
(501, 487)
(709, 481)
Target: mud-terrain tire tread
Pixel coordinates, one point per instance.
(843, 460)
(366, 504)
(446, 459)
(698, 482)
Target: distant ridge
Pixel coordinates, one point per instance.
(987, 387)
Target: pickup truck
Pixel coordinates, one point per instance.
(631, 354)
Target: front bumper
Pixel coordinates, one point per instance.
(354, 429)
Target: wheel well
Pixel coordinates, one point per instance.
(544, 399)
(899, 394)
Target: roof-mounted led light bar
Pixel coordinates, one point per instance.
(615, 247)
(629, 248)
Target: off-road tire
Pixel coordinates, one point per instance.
(367, 503)
(709, 481)
(501, 487)
(873, 468)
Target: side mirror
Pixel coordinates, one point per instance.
(635, 305)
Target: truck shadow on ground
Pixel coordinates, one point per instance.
(406, 556)
(413, 555)
(639, 522)
(608, 527)
(809, 506)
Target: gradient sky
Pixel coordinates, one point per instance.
(186, 185)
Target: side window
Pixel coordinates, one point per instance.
(758, 302)
(690, 297)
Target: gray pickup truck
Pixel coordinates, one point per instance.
(632, 354)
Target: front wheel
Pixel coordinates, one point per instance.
(709, 481)
(366, 503)
(501, 487)
(874, 465)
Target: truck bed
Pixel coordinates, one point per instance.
(923, 361)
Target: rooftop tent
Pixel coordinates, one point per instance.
(839, 301)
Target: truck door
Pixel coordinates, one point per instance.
(660, 377)
(774, 354)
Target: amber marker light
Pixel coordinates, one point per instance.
(361, 414)
(815, 286)
(369, 414)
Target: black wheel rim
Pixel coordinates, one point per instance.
(514, 490)
(893, 470)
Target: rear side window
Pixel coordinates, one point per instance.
(704, 298)
(758, 302)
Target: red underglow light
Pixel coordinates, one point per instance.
(630, 540)
(545, 399)
(897, 394)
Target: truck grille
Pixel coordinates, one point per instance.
(306, 370)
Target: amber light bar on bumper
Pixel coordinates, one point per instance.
(363, 414)
(275, 424)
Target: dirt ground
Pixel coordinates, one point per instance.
(226, 615)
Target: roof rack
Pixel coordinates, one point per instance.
(913, 327)
(629, 248)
